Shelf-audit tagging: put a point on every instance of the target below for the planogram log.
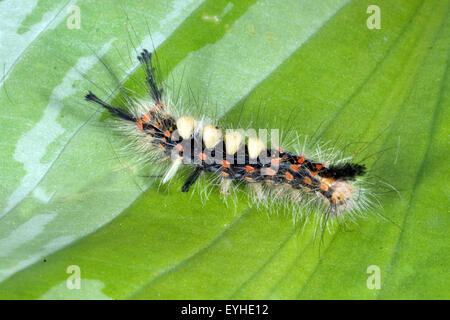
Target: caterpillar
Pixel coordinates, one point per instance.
(163, 132)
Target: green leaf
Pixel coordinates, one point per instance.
(70, 196)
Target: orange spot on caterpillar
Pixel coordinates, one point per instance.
(324, 186)
(180, 147)
(269, 171)
(300, 160)
(167, 134)
(334, 198)
(280, 150)
(289, 176)
(319, 166)
(308, 180)
(295, 167)
(249, 169)
(202, 156)
(224, 174)
(159, 104)
(248, 179)
(146, 117)
(139, 125)
(161, 147)
(275, 162)
(164, 140)
(225, 163)
(313, 173)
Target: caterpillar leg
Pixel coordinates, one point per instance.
(225, 186)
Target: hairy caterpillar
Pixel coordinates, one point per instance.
(163, 132)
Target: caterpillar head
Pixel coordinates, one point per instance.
(341, 196)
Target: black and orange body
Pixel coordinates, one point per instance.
(272, 167)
